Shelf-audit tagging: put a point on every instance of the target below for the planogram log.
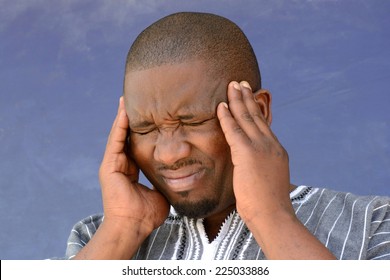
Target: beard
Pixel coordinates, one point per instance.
(196, 210)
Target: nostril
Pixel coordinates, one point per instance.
(169, 150)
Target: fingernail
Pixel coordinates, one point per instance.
(246, 84)
(225, 105)
(236, 86)
(119, 104)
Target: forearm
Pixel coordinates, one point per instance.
(283, 236)
(114, 240)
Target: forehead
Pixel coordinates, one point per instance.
(170, 90)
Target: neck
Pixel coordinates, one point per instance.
(213, 223)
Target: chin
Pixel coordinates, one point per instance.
(196, 210)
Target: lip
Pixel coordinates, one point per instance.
(182, 181)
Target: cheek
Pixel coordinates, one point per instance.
(141, 150)
(220, 144)
(216, 147)
(218, 139)
(219, 151)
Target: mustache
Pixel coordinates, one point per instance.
(179, 164)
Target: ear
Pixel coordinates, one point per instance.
(263, 97)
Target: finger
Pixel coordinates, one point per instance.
(255, 111)
(233, 132)
(117, 138)
(253, 108)
(239, 110)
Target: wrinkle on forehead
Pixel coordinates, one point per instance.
(171, 92)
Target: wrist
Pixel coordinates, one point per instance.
(266, 215)
(117, 239)
(133, 228)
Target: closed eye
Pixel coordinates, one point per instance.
(146, 131)
(194, 123)
(197, 123)
(143, 132)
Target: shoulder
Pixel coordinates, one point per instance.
(352, 226)
(314, 195)
(314, 204)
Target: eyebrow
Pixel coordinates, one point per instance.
(145, 124)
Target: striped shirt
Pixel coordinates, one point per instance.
(350, 226)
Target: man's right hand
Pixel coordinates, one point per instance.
(123, 197)
(131, 210)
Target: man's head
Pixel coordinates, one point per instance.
(177, 72)
(196, 36)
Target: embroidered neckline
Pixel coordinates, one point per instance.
(224, 227)
(300, 193)
(193, 234)
(221, 232)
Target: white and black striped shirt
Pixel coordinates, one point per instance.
(350, 226)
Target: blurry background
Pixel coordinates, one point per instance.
(327, 64)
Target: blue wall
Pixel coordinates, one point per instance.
(327, 64)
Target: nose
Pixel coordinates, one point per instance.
(171, 146)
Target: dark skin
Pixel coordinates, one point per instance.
(175, 124)
(196, 143)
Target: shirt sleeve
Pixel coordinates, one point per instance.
(379, 240)
(81, 233)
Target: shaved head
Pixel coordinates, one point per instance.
(188, 36)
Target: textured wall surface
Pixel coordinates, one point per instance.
(327, 64)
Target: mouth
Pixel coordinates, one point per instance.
(181, 182)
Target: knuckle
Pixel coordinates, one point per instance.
(257, 115)
(261, 147)
(238, 130)
(246, 117)
(271, 148)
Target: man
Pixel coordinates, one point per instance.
(195, 119)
